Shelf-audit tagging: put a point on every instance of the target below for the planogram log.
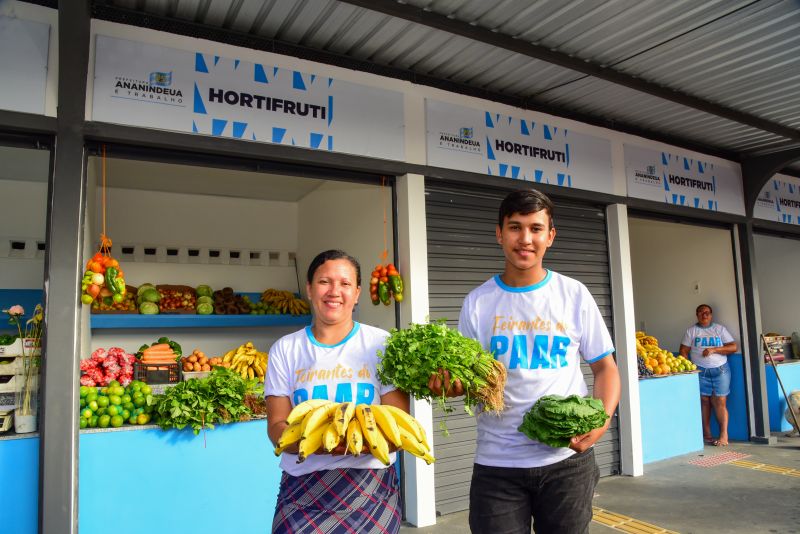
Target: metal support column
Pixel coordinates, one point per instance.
(754, 362)
(58, 453)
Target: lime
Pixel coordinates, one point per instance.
(137, 394)
(101, 411)
(128, 406)
(132, 420)
(116, 390)
(125, 414)
(94, 406)
(113, 383)
(102, 401)
(117, 421)
(146, 390)
(115, 399)
(82, 403)
(92, 395)
(104, 391)
(125, 398)
(86, 414)
(84, 391)
(86, 299)
(143, 418)
(84, 422)
(93, 422)
(103, 421)
(136, 385)
(113, 410)
(139, 401)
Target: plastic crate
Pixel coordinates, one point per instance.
(195, 374)
(14, 349)
(8, 383)
(6, 418)
(9, 365)
(157, 373)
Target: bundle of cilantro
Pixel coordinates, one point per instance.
(413, 354)
(554, 419)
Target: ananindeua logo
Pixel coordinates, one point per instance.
(647, 176)
(156, 89)
(463, 141)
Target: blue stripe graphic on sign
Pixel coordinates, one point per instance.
(509, 120)
(293, 142)
(683, 200)
(555, 130)
(700, 167)
(216, 60)
(238, 129)
(236, 64)
(686, 164)
(523, 127)
(696, 202)
(547, 132)
(254, 136)
(330, 142)
(297, 81)
(791, 189)
(775, 184)
(330, 81)
(218, 126)
(489, 170)
(199, 107)
(277, 134)
(561, 176)
(538, 173)
(313, 77)
(194, 127)
(567, 149)
(666, 182)
(503, 169)
(489, 151)
(200, 63)
(674, 198)
(275, 72)
(514, 172)
(259, 74)
(711, 204)
(714, 184)
(569, 180)
(489, 123)
(664, 160)
(316, 139)
(330, 109)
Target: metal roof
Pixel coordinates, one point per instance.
(719, 76)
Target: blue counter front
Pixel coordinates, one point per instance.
(149, 480)
(789, 373)
(670, 412)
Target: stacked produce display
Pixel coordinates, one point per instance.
(385, 284)
(104, 367)
(103, 279)
(655, 361)
(114, 405)
(247, 361)
(321, 425)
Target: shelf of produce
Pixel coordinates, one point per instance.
(132, 320)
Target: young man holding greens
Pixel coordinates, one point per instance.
(540, 324)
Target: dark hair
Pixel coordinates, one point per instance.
(333, 254)
(697, 310)
(525, 201)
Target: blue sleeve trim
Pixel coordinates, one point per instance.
(598, 358)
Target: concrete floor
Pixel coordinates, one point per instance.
(678, 496)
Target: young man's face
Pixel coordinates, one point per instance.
(525, 239)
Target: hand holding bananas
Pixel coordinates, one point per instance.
(321, 426)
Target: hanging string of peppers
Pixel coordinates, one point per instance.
(103, 277)
(385, 282)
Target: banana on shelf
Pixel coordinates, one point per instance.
(320, 425)
(285, 302)
(248, 361)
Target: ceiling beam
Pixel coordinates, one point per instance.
(519, 46)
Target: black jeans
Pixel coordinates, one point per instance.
(558, 497)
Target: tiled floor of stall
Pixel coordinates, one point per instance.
(743, 488)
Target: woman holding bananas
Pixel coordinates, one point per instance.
(332, 363)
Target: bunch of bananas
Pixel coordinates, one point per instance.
(285, 302)
(321, 424)
(645, 340)
(247, 361)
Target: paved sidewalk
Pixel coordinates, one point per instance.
(751, 489)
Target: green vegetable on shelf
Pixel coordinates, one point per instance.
(148, 308)
(204, 291)
(554, 419)
(149, 295)
(205, 308)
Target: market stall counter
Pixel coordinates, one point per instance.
(144, 479)
(789, 372)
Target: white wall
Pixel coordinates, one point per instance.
(777, 263)
(348, 216)
(23, 216)
(668, 261)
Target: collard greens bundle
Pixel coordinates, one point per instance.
(554, 419)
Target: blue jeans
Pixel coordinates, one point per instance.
(558, 497)
(715, 381)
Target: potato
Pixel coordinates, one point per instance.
(200, 354)
(202, 360)
(197, 366)
(205, 367)
(193, 358)
(187, 366)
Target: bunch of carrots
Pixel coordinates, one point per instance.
(160, 353)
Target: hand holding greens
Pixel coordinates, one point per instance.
(413, 354)
(554, 419)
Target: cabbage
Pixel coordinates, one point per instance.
(204, 291)
(205, 308)
(554, 419)
(148, 308)
(149, 295)
(143, 288)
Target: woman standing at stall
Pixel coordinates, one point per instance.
(335, 358)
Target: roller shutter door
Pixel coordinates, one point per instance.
(462, 254)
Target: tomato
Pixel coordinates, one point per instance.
(93, 290)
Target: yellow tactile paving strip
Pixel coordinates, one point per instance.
(624, 523)
(757, 466)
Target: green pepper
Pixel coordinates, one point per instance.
(113, 282)
(396, 283)
(383, 292)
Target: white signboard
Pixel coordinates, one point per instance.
(779, 200)
(681, 180)
(515, 147)
(23, 64)
(156, 87)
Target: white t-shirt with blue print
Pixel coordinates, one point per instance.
(699, 339)
(540, 333)
(302, 368)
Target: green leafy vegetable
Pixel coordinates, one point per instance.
(414, 353)
(219, 398)
(554, 419)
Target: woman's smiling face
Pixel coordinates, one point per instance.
(334, 291)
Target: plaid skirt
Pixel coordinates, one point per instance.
(362, 501)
